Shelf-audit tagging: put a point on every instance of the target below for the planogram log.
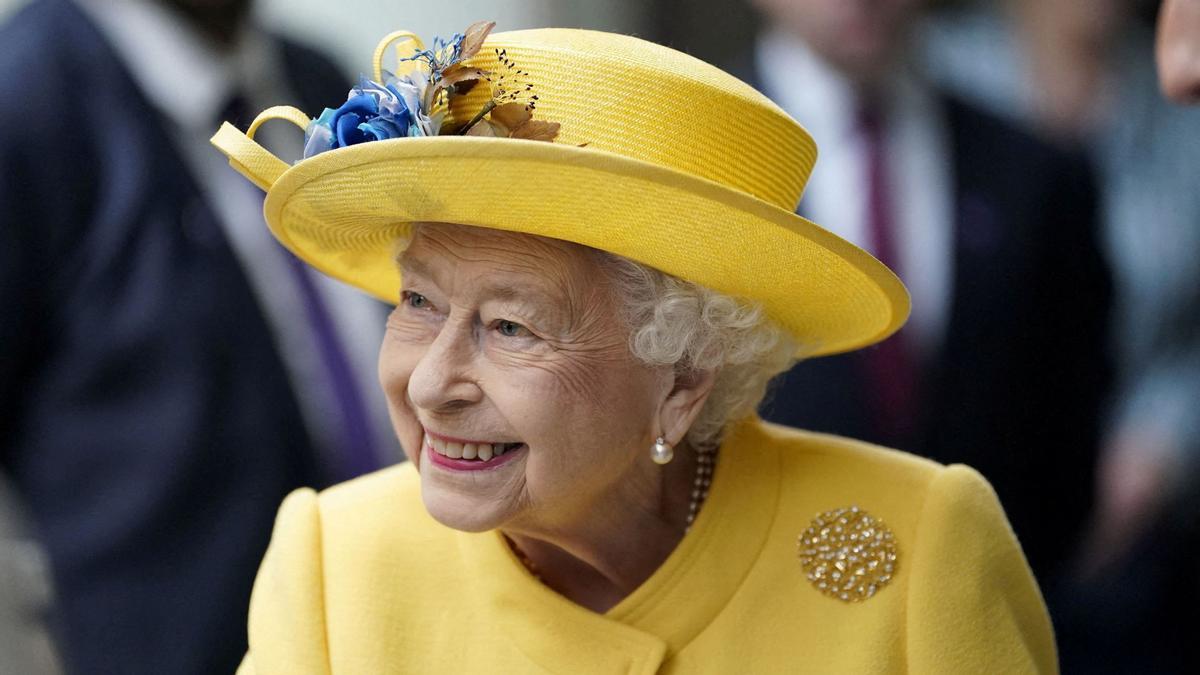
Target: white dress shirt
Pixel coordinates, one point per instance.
(919, 170)
(190, 82)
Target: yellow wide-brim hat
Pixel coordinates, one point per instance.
(660, 158)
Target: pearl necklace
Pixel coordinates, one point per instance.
(705, 461)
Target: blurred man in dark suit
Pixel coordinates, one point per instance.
(160, 394)
(1002, 365)
(1084, 73)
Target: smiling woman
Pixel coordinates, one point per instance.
(583, 329)
(556, 365)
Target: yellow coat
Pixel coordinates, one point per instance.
(359, 579)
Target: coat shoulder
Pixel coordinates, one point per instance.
(958, 595)
(356, 515)
(352, 524)
(820, 473)
(845, 461)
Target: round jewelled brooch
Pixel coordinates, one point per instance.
(848, 554)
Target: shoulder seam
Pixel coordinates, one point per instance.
(324, 586)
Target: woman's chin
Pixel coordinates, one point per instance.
(462, 513)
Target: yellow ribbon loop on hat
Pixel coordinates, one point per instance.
(386, 42)
(279, 112)
(251, 159)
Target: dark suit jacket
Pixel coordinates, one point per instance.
(146, 417)
(1017, 385)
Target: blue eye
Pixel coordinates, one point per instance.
(415, 300)
(510, 328)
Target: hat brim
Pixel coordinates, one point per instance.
(342, 212)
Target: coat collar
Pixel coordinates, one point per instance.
(675, 604)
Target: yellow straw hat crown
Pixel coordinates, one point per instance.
(658, 157)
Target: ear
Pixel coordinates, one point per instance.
(683, 403)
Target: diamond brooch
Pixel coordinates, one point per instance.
(848, 554)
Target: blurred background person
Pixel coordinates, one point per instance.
(1003, 364)
(1178, 50)
(1084, 73)
(165, 364)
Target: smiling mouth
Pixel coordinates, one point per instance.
(477, 451)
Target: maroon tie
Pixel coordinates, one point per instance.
(890, 368)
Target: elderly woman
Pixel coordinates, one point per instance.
(591, 245)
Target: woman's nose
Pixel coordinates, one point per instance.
(443, 378)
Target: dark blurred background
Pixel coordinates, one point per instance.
(1013, 160)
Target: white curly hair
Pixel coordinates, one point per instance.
(677, 323)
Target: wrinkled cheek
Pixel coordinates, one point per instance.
(605, 388)
(396, 365)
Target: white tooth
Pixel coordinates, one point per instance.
(497, 449)
(485, 451)
(469, 451)
(438, 446)
(454, 450)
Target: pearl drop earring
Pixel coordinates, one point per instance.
(661, 452)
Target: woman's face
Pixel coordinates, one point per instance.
(511, 343)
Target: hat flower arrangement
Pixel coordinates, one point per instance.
(415, 104)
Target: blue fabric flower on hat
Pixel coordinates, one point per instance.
(372, 112)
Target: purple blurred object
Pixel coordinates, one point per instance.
(355, 443)
(890, 367)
